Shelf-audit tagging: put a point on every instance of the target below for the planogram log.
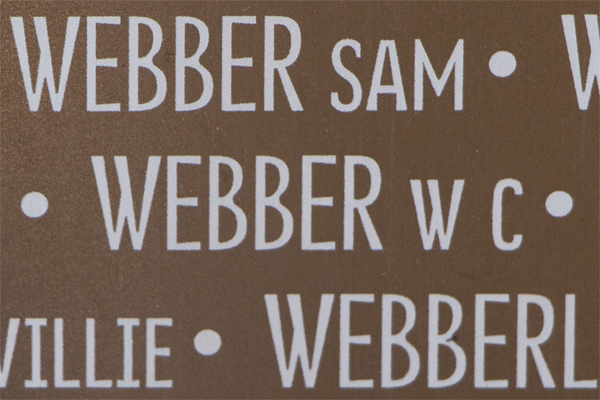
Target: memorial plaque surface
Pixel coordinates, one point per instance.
(299, 199)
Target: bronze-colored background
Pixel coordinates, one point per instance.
(526, 127)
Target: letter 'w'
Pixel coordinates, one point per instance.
(45, 71)
(591, 22)
(437, 221)
(299, 349)
(126, 204)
